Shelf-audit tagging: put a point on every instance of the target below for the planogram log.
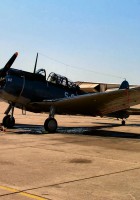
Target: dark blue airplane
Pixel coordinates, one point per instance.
(58, 95)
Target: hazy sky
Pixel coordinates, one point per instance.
(95, 35)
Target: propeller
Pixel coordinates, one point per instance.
(5, 69)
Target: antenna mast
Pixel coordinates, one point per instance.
(35, 63)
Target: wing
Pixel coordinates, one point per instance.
(95, 103)
(91, 87)
(133, 111)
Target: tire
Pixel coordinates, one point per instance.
(50, 125)
(123, 122)
(8, 121)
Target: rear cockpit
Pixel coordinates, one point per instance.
(61, 81)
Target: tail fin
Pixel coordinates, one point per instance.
(124, 85)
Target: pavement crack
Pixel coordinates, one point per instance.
(77, 180)
(87, 178)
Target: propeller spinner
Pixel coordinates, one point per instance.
(5, 69)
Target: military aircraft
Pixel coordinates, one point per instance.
(56, 94)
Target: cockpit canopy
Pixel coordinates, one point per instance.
(61, 80)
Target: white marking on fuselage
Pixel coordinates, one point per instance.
(67, 95)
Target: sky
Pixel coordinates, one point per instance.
(86, 40)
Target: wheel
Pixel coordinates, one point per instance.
(50, 125)
(123, 122)
(8, 121)
(5, 119)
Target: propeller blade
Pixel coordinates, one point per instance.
(8, 65)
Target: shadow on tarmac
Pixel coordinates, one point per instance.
(98, 131)
(27, 129)
(92, 131)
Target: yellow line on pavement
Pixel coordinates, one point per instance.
(32, 196)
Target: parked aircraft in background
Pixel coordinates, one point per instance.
(56, 94)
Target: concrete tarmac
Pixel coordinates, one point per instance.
(86, 159)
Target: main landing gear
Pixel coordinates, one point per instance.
(50, 123)
(9, 120)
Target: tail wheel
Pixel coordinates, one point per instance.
(50, 125)
(123, 122)
(8, 121)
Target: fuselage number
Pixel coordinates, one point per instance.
(67, 95)
(9, 79)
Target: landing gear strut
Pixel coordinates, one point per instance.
(9, 120)
(50, 123)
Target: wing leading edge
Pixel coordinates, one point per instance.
(96, 104)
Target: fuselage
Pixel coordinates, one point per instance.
(23, 89)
